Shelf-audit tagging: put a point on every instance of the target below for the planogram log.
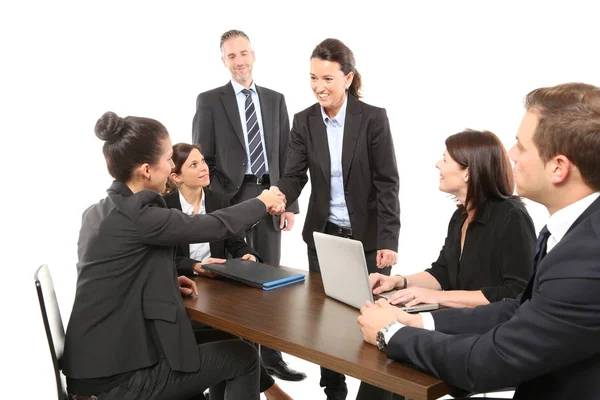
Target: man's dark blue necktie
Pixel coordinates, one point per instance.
(540, 251)
(255, 147)
(540, 247)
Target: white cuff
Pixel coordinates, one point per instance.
(428, 321)
(392, 331)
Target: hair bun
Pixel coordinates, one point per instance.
(109, 127)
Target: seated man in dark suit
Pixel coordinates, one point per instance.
(188, 192)
(545, 342)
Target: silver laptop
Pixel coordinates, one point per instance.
(345, 275)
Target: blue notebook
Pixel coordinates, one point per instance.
(255, 274)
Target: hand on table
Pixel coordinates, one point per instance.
(249, 256)
(415, 295)
(202, 272)
(187, 287)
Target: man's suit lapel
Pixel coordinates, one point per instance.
(231, 107)
(319, 138)
(594, 207)
(351, 130)
(266, 103)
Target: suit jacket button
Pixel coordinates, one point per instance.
(238, 186)
(351, 213)
(346, 193)
(243, 164)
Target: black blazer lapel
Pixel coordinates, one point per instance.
(351, 131)
(266, 105)
(231, 107)
(321, 146)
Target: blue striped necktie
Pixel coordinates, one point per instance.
(257, 155)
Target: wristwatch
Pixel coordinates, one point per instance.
(380, 338)
(404, 283)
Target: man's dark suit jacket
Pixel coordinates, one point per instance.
(127, 303)
(217, 128)
(235, 245)
(546, 342)
(371, 180)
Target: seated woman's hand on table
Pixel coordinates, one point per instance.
(202, 272)
(415, 295)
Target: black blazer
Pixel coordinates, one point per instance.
(127, 304)
(497, 253)
(545, 344)
(235, 245)
(371, 180)
(217, 128)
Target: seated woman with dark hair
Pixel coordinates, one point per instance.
(487, 255)
(187, 191)
(129, 336)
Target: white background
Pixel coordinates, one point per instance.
(437, 67)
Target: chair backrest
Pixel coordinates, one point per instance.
(55, 332)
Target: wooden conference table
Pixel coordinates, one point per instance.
(301, 320)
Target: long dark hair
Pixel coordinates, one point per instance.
(181, 152)
(335, 50)
(490, 172)
(129, 142)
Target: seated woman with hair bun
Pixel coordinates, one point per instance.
(129, 336)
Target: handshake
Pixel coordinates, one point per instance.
(274, 200)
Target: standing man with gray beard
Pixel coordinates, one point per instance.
(243, 130)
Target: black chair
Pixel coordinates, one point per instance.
(55, 332)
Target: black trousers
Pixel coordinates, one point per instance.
(266, 240)
(207, 334)
(334, 382)
(234, 361)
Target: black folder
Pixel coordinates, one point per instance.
(255, 274)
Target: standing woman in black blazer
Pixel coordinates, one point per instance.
(347, 147)
(188, 191)
(129, 336)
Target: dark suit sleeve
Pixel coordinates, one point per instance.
(477, 320)
(514, 248)
(236, 245)
(284, 140)
(558, 327)
(203, 132)
(386, 182)
(292, 183)
(167, 227)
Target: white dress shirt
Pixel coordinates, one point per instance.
(558, 225)
(198, 251)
